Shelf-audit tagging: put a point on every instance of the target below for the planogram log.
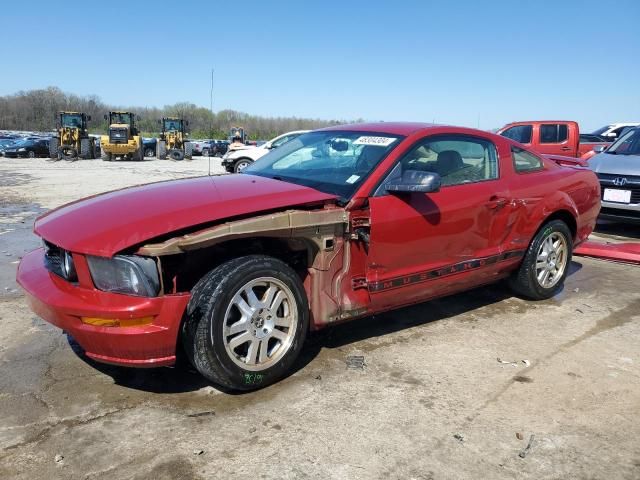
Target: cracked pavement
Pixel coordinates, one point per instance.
(431, 402)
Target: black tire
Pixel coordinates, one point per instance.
(205, 152)
(188, 151)
(524, 281)
(241, 164)
(176, 154)
(105, 156)
(85, 148)
(161, 150)
(31, 154)
(53, 148)
(149, 152)
(205, 317)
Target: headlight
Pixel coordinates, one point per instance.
(68, 267)
(132, 275)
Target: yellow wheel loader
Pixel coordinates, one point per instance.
(72, 140)
(124, 140)
(173, 140)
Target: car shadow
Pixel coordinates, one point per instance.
(183, 377)
(620, 231)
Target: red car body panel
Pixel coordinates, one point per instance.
(421, 246)
(124, 218)
(571, 147)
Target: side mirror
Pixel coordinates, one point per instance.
(414, 181)
(599, 148)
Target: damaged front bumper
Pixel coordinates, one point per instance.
(79, 311)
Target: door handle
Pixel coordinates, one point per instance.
(496, 202)
(565, 148)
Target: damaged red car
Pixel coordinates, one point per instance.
(337, 224)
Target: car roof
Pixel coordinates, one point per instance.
(392, 128)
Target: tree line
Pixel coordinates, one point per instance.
(35, 110)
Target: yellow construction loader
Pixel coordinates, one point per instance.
(72, 140)
(124, 140)
(173, 140)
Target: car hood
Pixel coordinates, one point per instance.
(615, 164)
(105, 224)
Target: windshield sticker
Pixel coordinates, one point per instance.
(353, 178)
(377, 141)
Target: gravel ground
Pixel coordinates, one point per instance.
(431, 401)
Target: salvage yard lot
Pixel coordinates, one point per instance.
(431, 401)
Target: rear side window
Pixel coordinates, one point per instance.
(553, 133)
(524, 161)
(519, 133)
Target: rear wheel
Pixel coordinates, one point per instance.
(246, 322)
(31, 154)
(85, 148)
(149, 152)
(546, 263)
(105, 156)
(161, 150)
(188, 151)
(205, 152)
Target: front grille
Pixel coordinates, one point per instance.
(53, 258)
(632, 182)
(118, 135)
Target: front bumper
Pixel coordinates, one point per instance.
(63, 304)
(628, 213)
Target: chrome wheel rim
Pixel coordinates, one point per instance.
(260, 324)
(241, 166)
(551, 261)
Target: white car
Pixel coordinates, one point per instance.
(238, 158)
(612, 131)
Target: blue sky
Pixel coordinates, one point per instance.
(465, 62)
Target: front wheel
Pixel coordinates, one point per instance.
(246, 322)
(546, 263)
(149, 152)
(241, 165)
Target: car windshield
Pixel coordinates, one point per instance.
(22, 142)
(121, 118)
(627, 144)
(73, 121)
(170, 125)
(600, 131)
(335, 162)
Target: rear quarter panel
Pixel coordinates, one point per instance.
(543, 193)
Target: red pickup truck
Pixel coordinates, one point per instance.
(334, 225)
(552, 137)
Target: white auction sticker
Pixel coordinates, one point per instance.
(353, 178)
(377, 141)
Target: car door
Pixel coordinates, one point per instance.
(556, 139)
(424, 245)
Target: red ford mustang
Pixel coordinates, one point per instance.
(337, 224)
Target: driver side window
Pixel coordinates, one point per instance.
(457, 159)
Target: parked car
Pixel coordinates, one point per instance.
(338, 224)
(28, 148)
(238, 158)
(550, 137)
(612, 131)
(215, 148)
(6, 143)
(618, 169)
(149, 146)
(198, 146)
